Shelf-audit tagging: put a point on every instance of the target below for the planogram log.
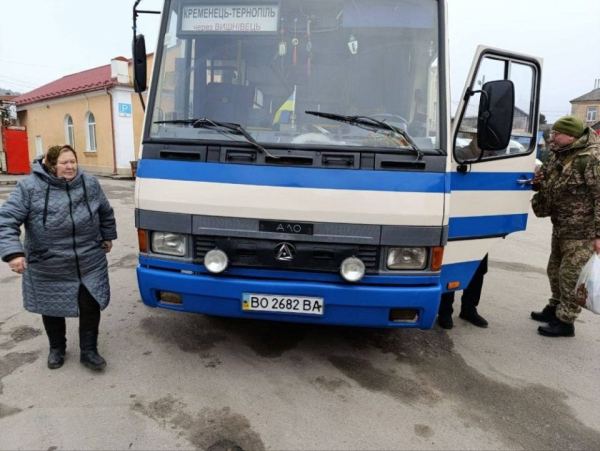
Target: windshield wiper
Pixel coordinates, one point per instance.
(371, 124)
(224, 128)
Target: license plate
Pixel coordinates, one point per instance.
(302, 305)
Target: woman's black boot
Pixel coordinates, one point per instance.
(56, 330)
(88, 342)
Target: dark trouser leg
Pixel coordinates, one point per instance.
(56, 329)
(472, 294)
(89, 311)
(446, 309)
(89, 321)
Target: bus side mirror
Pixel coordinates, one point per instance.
(139, 64)
(496, 111)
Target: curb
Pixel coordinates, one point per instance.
(8, 182)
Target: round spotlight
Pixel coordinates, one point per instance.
(216, 261)
(353, 269)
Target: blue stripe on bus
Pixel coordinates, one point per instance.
(472, 227)
(414, 182)
(490, 181)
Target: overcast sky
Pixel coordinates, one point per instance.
(42, 40)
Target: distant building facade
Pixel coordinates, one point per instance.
(95, 111)
(587, 107)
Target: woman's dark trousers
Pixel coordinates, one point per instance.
(89, 321)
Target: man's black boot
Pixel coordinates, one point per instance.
(557, 328)
(545, 316)
(473, 317)
(445, 322)
(88, 342)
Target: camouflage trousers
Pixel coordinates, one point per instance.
(567, 259)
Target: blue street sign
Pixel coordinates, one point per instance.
(125, 109)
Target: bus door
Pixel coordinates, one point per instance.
(490, 191)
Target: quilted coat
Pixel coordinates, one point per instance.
(65, 226)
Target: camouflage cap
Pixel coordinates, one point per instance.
(569, 125)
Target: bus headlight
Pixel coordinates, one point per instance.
(406, 258)
(352, 269)
(216, 261)
(169, 243)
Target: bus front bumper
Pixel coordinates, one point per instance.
(343, 304)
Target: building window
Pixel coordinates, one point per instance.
(90, 128)
(70, 131)
(592, 114)
(39, 147)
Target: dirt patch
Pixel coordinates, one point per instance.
(424, 431)
(128, 261)
(188, 332)
(6, 411)
(377, 380)
(24, 333)
(266, 338)
(11, 362)
(517, 267)
(530, 417)
(331, 384)
(209, 429)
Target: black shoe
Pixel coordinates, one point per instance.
(92, 360)
(88, 342)
(545, 316)
(445, 322)
(474, 318)
(557, 328)
(56, 358)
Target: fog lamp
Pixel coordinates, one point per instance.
(216, 261)
(352, 269)
(166, 297)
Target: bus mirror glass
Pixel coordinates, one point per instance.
(139, 64)
(496, 111)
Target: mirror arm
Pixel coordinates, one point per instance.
(136, 13)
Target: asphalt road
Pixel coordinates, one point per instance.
(183, 381)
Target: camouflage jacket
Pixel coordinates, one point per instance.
(570, 192)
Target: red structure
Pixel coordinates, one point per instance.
(14, 143)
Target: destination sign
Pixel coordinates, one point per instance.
(262, 18)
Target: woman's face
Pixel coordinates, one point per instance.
(66, 166)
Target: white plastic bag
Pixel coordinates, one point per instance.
(587, 290)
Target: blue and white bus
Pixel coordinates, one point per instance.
(299, 162)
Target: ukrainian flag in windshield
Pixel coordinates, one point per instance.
(284, 113)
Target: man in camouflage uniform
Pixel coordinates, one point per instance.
(568, 191)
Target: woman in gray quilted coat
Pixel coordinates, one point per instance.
(69, 228)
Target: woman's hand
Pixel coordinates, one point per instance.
(18, 265)
(107, 246)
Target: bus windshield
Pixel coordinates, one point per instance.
(263, 64)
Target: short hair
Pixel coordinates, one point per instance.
(51, 158)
